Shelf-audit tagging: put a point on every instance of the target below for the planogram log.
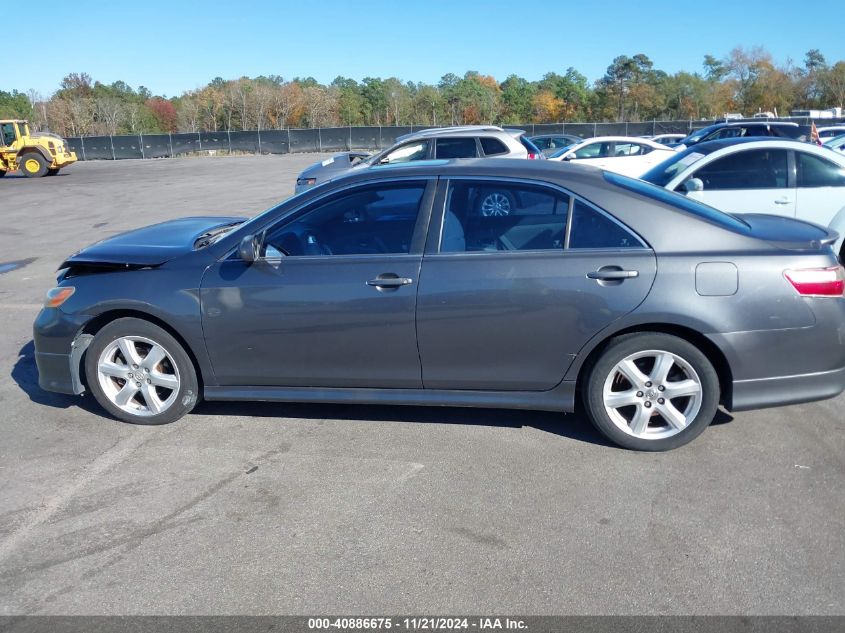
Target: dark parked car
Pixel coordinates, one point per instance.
(737, 129)
(390, 286)
(552, 143)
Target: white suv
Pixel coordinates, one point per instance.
(470, 141)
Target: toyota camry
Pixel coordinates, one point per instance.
(394, 285)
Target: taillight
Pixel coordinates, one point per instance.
(532, 156)
(818, 282)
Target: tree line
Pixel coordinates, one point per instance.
(745, 81)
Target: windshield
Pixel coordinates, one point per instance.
(663, 173)
(561, 151)
(696, 136)
(678, 201)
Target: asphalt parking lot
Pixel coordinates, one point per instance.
(306, 509)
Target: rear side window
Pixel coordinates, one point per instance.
(754, 169)
(492, 146)
(502, 216)
(593, 229)
(456, 148)
(818, 172)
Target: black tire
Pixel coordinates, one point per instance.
(33, 165)
(2, 172)
(630, 344)
(52, 172)
(507, 203)
(179, 364)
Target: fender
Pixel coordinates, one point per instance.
(637, 321)
(34, 148)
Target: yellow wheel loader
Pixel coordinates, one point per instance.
(38, 154)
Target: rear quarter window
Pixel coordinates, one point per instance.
(492, 146)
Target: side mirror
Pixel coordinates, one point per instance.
(693, 184)
(250, 248)
(569, 157)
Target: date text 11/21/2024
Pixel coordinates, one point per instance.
(417, 623)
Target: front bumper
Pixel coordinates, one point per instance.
(63, 160)
(59, 346)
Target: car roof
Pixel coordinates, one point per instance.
(458, 130)
(743, 140)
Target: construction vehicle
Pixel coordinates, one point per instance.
(38, 154)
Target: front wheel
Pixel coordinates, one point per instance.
(651, 392)
(33, 165)
(139, 373)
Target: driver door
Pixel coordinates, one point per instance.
(331, 301)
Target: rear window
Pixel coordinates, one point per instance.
(714, 216)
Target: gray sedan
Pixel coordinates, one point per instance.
(390, 285)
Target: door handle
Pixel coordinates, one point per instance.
(783, 201)
(389, 282)
(605, 275)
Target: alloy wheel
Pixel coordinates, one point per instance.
(652, 394)
(138, 375)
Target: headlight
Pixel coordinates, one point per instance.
(306, 182)
(57, 296)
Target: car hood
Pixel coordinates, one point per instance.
(151, 245)
(333, 165)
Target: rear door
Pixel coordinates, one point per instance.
(821, 188)
(752, 181)
(506, 301)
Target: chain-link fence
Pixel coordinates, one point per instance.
(336, 139)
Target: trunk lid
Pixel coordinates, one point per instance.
(789, 233)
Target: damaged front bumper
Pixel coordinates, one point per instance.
(59, 347)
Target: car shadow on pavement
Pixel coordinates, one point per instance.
(25, 374)
(574, 426)
(571, 425)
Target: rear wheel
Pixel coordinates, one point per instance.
(2, 172)
(33, 165)
(140, 374)
(651, 392)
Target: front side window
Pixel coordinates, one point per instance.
(503, 216)
(406, 153)
(456, 148)
(368, 220)
(818, 172)
(593, 150)
(754, 169)
(542, 142)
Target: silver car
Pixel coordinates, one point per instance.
(469, 141)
